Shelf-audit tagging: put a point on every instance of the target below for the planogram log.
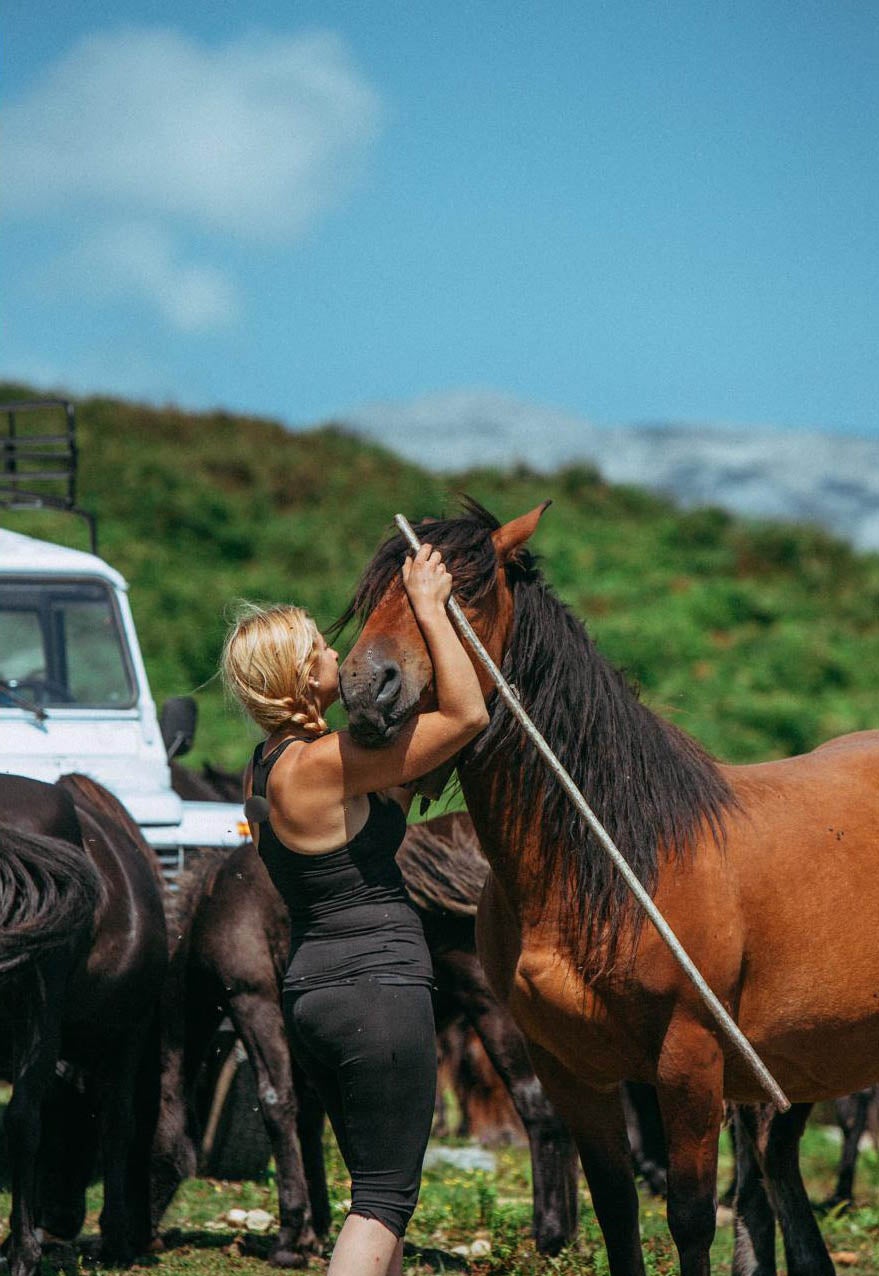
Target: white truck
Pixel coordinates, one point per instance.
(74, 694)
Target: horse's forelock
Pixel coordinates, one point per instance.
(467, 549)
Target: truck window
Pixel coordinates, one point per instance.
(61, 645)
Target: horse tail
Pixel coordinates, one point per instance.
(49, 894)
(104, 806)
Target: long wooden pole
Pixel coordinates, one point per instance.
(723, 1019)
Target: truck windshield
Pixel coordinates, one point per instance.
(61, 646)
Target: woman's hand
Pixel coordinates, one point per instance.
(427, 582)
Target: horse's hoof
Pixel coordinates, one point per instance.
(551, 1244)
(835, 1205)
(289, 1258)
(293, 1248)
(117, 1253)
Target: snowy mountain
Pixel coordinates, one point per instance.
(830, 479)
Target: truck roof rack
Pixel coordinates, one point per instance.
(38, 459)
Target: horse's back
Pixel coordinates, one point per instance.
(31, 806)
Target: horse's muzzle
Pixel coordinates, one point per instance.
(371, 689)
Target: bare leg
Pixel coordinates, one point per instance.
(366, 1248)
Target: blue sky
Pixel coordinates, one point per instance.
(630, 211)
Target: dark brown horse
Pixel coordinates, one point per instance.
(110, 1029)
(443, 870)
(753, 866)
(49, 896)
(229, 937)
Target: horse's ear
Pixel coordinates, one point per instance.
(511, 536)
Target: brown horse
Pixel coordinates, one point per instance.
(109, 1026)
(753, 866)
(49, 896)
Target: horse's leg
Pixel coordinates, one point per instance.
(690, 1088)
(804, 1245)
(646, 1135)
(258, 1021)
(754, 1246)
(68, 1154)
(119, 1223)
(852, 1113)
(310, 1125)
(553, 1155)
(173, 1156)
(598, 1124)
(147, 1099)
(33, 1068)
(188, 1024)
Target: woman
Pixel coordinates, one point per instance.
(357, 990)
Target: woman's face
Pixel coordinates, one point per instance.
(325, 674)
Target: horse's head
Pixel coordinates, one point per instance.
(388, 675)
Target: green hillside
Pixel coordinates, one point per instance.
(761, 640)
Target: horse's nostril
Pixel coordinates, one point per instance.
(388, 682)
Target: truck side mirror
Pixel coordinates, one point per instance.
(177, 725)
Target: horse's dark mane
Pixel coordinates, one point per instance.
(653, 787)
(443, 866)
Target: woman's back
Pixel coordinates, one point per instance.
(349, 914)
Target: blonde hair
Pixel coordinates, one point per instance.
(268, 658)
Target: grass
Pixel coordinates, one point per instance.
(459, 1206)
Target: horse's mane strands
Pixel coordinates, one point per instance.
(443, 865)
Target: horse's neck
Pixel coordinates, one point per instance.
(503, 834)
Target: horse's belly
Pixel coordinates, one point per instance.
(813, 1063)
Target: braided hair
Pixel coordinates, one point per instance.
(267, 661)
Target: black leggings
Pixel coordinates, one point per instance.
(370, 1051)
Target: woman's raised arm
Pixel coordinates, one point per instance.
(429, 739)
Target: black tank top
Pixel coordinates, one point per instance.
(350, 917)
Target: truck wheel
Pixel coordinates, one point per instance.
(235, 1144)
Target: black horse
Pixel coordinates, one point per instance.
(109, 1030)
(49, 897)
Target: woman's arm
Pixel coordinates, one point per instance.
(342, 768)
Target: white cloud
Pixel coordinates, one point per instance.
(253, 138)
(140, 262)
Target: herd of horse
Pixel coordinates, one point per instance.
(111, 988)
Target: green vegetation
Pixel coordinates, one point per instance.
(759, 639)
(458, 1207)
